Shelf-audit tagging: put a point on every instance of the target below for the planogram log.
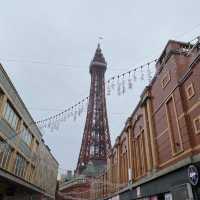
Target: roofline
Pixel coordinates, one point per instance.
(23, 104)
(18, 96)
(148, 86)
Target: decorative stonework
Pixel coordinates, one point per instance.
(190, 91)
(196, 123)
(165, 79)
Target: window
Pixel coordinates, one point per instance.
(165, 80)
(1, 97)
(5, 154)
(196, 123)
(190, 91)
(26, 136)
(11, 116)
(20, 166)
(173, 126)
(32, 172)
(139, 156)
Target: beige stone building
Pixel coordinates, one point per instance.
(28, 170)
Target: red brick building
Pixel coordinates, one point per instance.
(157, 155)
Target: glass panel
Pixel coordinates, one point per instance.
(1, 152)
(5, 109)
(7, 112)
(20, 166)
(5, 155)
(10, 115)
(26, 136)
(15, 121)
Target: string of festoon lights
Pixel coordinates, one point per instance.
(119, 83)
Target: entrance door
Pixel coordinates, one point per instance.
(183, 192)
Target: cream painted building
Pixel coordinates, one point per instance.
(28, 170)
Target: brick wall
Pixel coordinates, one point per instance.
(165, 126)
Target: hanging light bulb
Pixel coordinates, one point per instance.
(49, 124)
(113, 83)
(82, 107)
(79, 109)
(108, 88)
(149, 72)
(57, 125)
(54, 124)
(52, 127)
(68, 113)
(65, 117)
(123, 85)
(130, 85)
(87, 101)
(118, 86)
(134, 76)
(72, 111)
(62, 117)
(142, 73)
(75, 114)
(45, 125)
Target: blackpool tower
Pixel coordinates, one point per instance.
(96, 137)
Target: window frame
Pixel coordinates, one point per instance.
(20, 167)
(196, 130)
(190, 86)
(26, 135)
(5, 155)
(165, 76)
(9, 114)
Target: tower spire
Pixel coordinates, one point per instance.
(96, 137)
(98, 60)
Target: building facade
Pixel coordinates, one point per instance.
(157, 155)
(28, 170)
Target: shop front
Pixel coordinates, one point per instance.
(182, 184)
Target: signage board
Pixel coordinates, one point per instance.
(193, 175)
(168, 196)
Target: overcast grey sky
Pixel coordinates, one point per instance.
(66, 32)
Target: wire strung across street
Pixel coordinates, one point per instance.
(77, 108)
(53, 121)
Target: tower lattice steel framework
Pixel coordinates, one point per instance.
(96, 137)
